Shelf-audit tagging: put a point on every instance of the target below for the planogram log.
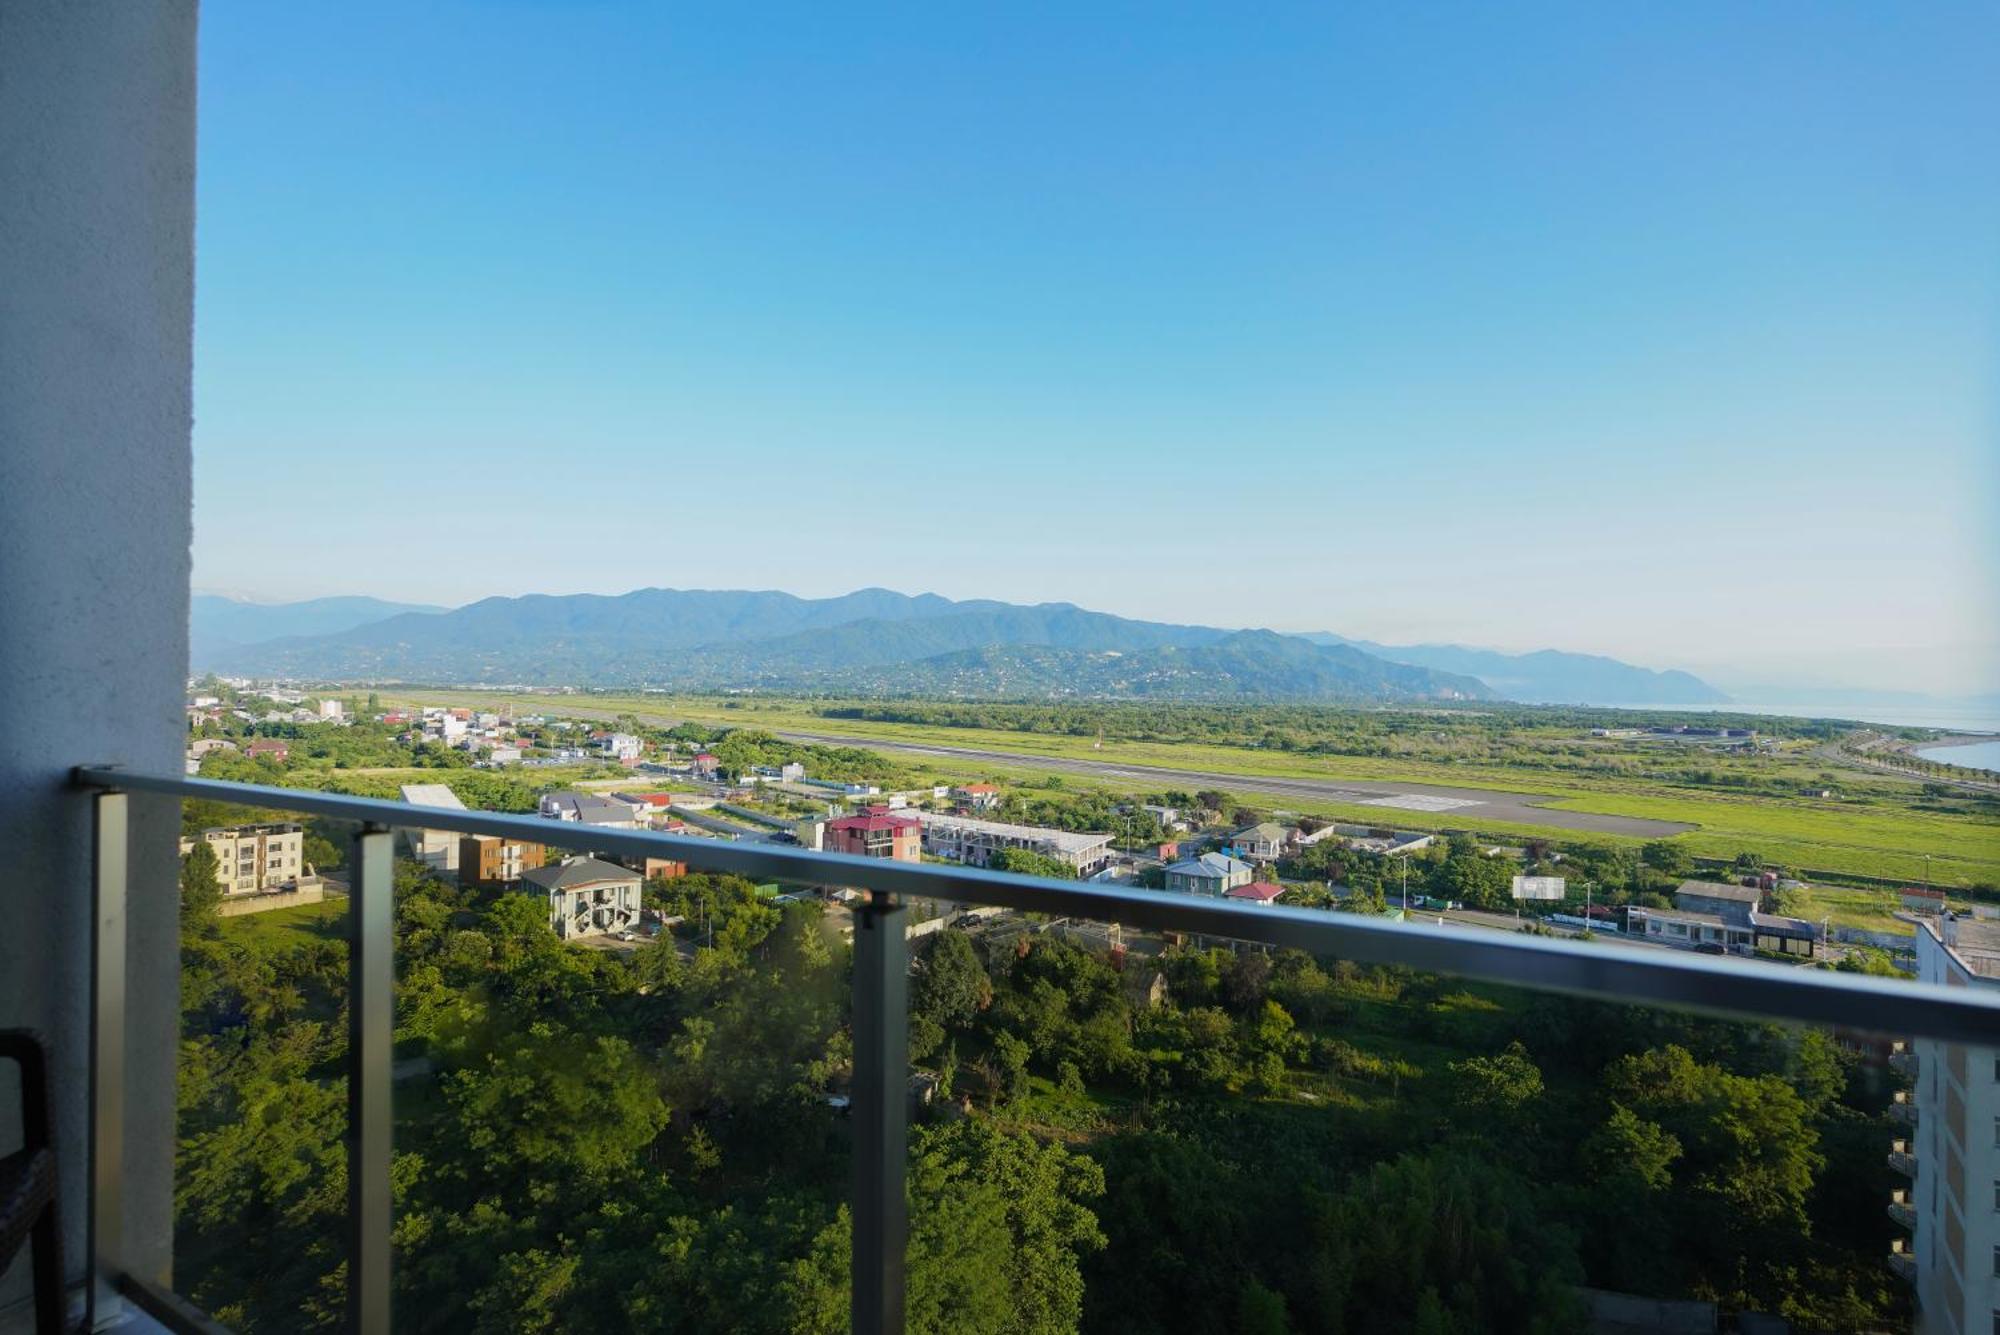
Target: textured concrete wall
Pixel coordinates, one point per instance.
(97, 118)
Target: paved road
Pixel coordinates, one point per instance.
(1469, 806)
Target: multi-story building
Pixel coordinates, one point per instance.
(963, 839)
(436, 849)
(976, 796)
(587, 896)
(488, 862)
(255, 859)
(876, 833)
(1264, 842)
(1952, 1152)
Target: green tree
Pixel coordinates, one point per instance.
(951, 987)
(201, 888)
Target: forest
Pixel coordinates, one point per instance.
(1211, 1138)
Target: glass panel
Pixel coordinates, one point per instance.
(621, 1093)
(261, 1173)
(1140, 1131)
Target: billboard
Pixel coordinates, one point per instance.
(1540, 887)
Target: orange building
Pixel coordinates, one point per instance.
(486, 862)
(877, 833)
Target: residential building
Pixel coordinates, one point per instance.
(1257, 892)
(588, 896)
(623, 747)
(646, 808)
(876, 833)
(976, 796)
(267, 748)
(1209, 874)
(1953, 1151)
(1922, 900)
(589, 809)
(1717, 897)
(1705, 917)
(487, 862)
(1678, 927)
(436, 849)
(706, 765)
(332, 711)
(974, 842)
(1263, 842)
(255, 859)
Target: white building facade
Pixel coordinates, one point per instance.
(1955, 1145)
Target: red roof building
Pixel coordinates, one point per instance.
(1257, 892)
(877, 833)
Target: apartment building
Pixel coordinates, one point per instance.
(255, 859)
(878, 833)
(587, 896)
(963, 839)
(436, 849)
(1952, 1153)
(487, 862)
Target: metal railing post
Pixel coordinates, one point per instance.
(110, 856)
(881, 1116)
(371, 1030)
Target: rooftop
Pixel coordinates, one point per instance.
(1742, 894)
(1210, 864)
(432, 795)
(1068, 841)
(574, 873)
(1262, 892)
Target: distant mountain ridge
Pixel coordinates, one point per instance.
(1548, 676)
(216, 623)
(878, 641)
(873, 639)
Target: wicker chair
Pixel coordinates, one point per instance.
(28, 1183)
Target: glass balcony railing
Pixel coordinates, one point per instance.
(600, 1078)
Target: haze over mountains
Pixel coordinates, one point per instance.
(876, 641)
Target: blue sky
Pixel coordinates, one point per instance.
(1662, 331)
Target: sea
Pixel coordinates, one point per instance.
(1974, 755)
(1944, 716)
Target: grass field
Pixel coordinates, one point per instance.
(1865, 835)
(278, 928)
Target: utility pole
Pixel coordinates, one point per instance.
(1406, 886)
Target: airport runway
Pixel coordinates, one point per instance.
(1472, 805)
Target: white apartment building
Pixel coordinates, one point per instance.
(331, 711)
(436, 849)
(963, 839)
(587, 897)
(1953, 1201)
(253, 859)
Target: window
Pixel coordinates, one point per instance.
(1996, 1260)
(1996, 1193)
(1996, 1070)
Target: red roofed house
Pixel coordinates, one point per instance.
(877, 833)
(706, 763)
(1257, 892)
(266, 746)
(976, 796)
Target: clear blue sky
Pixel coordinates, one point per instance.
(1668, 331)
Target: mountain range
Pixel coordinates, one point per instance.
(877, 641)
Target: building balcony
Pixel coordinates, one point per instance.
(1904, 1265)
(1904, 1108)
(1903, 1061)
(1904, 1215)
(1901, 1159)
(873, 1100)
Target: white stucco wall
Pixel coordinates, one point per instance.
(97, 119)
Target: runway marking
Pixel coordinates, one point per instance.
(1418, 802)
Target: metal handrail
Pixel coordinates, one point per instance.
(1604, 972)
(1656, 976)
